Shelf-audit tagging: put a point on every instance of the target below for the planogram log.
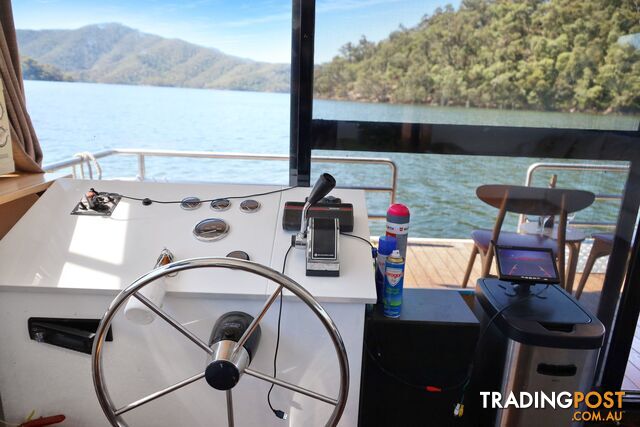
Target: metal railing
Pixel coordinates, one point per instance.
(89, 161)
(579, 167)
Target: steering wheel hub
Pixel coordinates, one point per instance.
(223, 371)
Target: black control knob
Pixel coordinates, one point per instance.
(322, 187)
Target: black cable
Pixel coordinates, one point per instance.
(429, 388)
(505, 308)
(358, 237)
(486, 328)
(148, 201)
(278, 413)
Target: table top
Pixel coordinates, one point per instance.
(16, 185)
(573, 234)
(435, 306)
(51, 249)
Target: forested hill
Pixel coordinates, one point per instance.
(32, 70)
(114, 53)
(562, 55)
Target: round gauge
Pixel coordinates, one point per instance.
(220, 204)
(250, 206)
(211, 229)
(4, 136)
(190, 203)
(238, 254)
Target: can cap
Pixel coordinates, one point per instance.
(398, 209)
(386, 245)
(396, 254)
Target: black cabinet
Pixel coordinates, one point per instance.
(431, 344)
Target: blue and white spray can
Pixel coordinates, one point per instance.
(386, 245)
(393, 282)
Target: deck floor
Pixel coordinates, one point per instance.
(441, 263)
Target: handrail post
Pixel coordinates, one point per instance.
(527, 182)
(574, 167)
(394, 180)
(89, 167)
(141, 167)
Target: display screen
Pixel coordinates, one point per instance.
(526, 264)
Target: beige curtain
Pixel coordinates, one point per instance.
(27, 153)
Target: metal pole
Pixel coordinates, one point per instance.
(141, 167)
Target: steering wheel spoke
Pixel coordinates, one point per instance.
(157, 394)
(173, 322)
(230, 419)
(292, 387)
(256, 321)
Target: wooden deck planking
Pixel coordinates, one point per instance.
(423, 272)
(441, 263)
(634, 358)
(631, 378)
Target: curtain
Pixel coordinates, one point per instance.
(27, 153)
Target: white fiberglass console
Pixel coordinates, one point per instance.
(57, 265)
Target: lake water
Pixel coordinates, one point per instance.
(440, 190)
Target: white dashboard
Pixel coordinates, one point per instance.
(54, 264)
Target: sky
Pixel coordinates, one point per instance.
(256, 29)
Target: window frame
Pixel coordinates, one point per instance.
(617, 311)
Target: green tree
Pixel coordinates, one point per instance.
(32, 70)
(562, 55)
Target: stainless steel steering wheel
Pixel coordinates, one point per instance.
(114, 414)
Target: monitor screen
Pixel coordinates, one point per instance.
(526, 264)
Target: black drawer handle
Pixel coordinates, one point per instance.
(557, 370)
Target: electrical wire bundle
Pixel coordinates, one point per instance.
(148, 201)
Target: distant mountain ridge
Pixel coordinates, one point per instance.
(114, 53)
